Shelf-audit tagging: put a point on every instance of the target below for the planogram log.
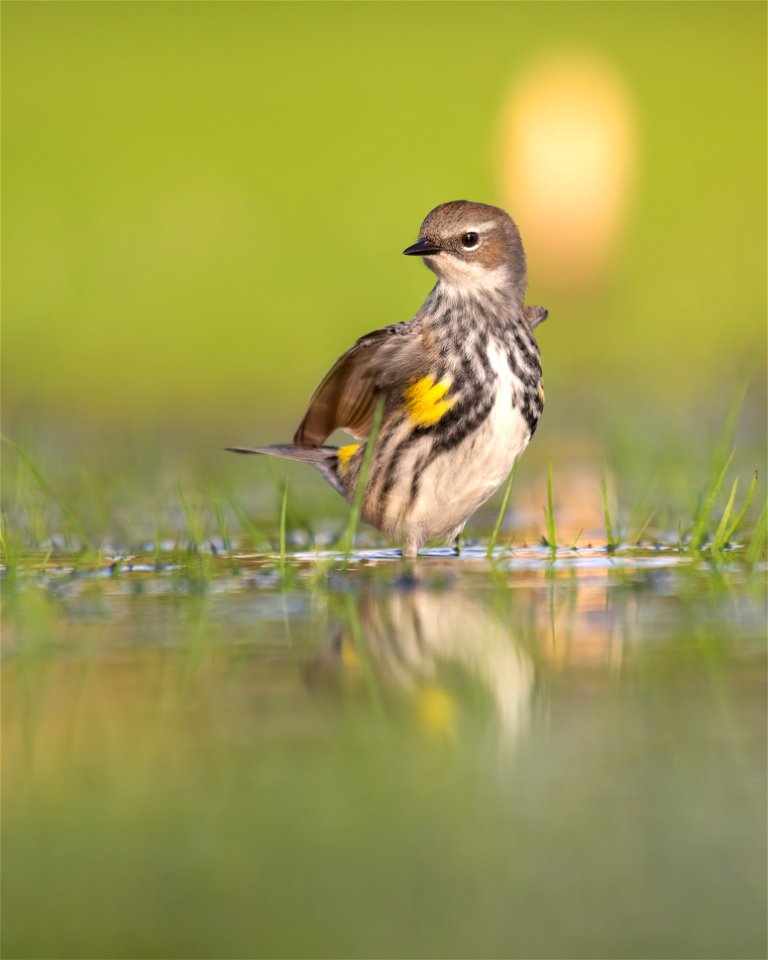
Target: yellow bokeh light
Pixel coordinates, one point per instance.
(567, 153)
(436, 710)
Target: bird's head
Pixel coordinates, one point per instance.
(473, 245)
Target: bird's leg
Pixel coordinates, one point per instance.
(457, 544)
(410, 550)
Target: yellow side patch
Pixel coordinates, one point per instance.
(345, 453)
(541, 391)
(424, 401)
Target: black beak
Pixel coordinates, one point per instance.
(422, 248)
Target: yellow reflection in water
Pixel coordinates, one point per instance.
(416, 638)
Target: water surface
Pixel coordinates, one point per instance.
(530, 758)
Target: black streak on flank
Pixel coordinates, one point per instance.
(532, 409)
(418, 471)
(462, 420)
(530, 355)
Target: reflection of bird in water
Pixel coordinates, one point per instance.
(432, 647)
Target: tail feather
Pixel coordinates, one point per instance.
(290, 452)
(324, 458)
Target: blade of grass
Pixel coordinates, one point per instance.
(194, 531)
(297, 519)
(502, 512)
(549, 514)
(730, 533)
(8, 552)
(195, 535)
(362, 480)
(612, 542)
(638, 535)
(36, 520)
(702, 521)
(156, 545)
(283, 518)
(719, 537)
(756, 548)
(221, 523)
(724, 440)
(641, 512)
(197, 563)
(76, 525)
(256, 536)
(576, 538)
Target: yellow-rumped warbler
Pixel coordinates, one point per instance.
(461, 383)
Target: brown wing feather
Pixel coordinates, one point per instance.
(346, 398)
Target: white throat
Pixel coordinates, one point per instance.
(458, 278)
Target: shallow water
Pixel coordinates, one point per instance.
(529, 758)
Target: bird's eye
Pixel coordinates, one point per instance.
(470, 240)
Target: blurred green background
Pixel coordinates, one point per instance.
(204, 204)
(559, 754)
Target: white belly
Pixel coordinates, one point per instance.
(457, 482)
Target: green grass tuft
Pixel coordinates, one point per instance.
(73, 525)
(258, 539)
(198, 563)
(704, 513)
(221, 523)
(550, 540)
(611, 541)
(731, 531)
(502, 512)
